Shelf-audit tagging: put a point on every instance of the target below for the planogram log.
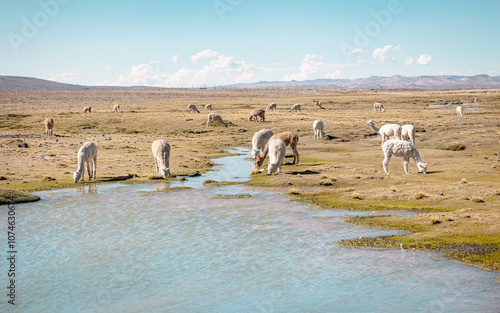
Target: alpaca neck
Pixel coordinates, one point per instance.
(416, 155)
(374, 128)
(81, 163)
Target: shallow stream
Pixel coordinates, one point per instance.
(111, 248)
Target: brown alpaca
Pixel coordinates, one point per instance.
(256, 113)
(49, 126)
(317, 105)
(289, 138)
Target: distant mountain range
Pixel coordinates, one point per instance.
(372, 82)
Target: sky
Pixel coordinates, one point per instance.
(180, 43)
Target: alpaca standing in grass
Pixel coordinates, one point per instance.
(295, 107)
(401, 148)
(277, 153)
(215, 117)
(387, 130)
(192, 107)
(49, 126)
(460, 111)
(378, 107)
(289, 138)
(259, 141)
(258, 114)
(87, 154)
(116, 108)
(161, 155)
(87, 109)
(319, 129)
(208, 107)
(271, 106)
(408, 133)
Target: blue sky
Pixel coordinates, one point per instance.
(217, 42)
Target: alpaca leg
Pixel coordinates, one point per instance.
(405, 164)
(89, 169)
(385, 163)
(95, 167)
(295, 155)
(157, 171)
(279, 169)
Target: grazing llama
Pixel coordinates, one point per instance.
(408, 133)
(116, 108)
(193, 108)
(289, 138)
(49, 126)
(460, 111)
(161, 155)
(387, 130)
(87, 154)
(295, 107)
(378, 107)
(277, 153)
(319, 129)
(271, 106)
(401, 148)
(317, 105)
(259, 141)
(258, 114)
(87, 109)
(208, 107)
(215, 117)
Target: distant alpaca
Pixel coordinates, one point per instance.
(295, 107)
(116, 108)
(476, 100)
(271, 106)
(289, 138)
(215, 117)
(161, 155)
(277, 153)
(387, 130)
(258, 114)
(87, 110)
(87, 154)
(401, 148)
(259, 141)
(317, 105)
(378, 107)
(319, 129)
(192, 107)
(408, 132)
(460, 111)
(208, 107)
(49, 126)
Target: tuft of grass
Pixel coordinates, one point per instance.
(255, 172)
(326, 182)
(155, 176)
(457, 146)
(323, 177)
(393, 189)
(420, 195)
(356, 195)
(48, 178)
(293, 191)
(9, 196)
(435, 221)
(477, 199)
(182, 178)
(463, 181)
(132, 175)
(236, 196)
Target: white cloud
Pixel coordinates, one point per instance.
(424, 59)
(220, 70)
(175, 59)
(381, 53)
(312, 67)
(70, 76)
(357, 51)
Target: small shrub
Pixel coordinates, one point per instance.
(455, 147)
(132, 175)
(293, 191)
(323, 177)
(152, 177)
(463, 181)
(393, 189)
(477, 199)
(420, 195)
(435, 221)
(255, 172)
(182, 178)
(356, 195)
(48, 178)
(326, 182)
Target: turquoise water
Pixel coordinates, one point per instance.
(112, 249)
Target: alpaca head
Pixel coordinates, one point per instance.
(76, 176)
(370, 123)
(165, 172)
(382, 109)
(422, 167)
(225, 124)
(259, 160)
(255, 153)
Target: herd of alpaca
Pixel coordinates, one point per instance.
(265, 142)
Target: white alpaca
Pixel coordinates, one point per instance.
(387, 130)
(271, 106)
(193, 108)
(116, 108)
(161, 155)
(460, 111)
(260, 140)
(319, 129)
(87, 110)
(408, 133)
(378, 107)
(208, 107)
(295, 107)
(277, 152)
(401, 148)
(87, 154)
(49, 126)
(215, 117)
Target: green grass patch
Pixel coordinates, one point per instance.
(13, 196)
(164, 190)
(236, 196)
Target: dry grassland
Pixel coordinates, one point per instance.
(460, 195)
